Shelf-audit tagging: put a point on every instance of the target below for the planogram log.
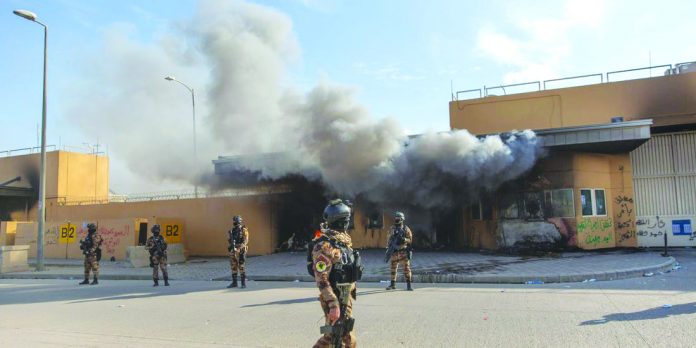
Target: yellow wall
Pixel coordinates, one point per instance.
(593, 171)
(205, 221)
(82, 176)
(667, 100)
(69, 176)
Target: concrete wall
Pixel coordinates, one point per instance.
(668, 100)
(204, 222)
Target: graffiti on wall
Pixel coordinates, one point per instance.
(51, 236)
(651, 227)
(625, 219)
(111, 237)
(678, 230)
(596, 232)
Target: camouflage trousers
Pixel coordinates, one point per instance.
(400, 257)
(161, 263)
(236, 263)
(325, 340)
(91, 264)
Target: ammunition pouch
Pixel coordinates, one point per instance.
(99, 254)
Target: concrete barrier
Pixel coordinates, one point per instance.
(138, 256)
(13, 258)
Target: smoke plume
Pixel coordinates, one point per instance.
(236, 55)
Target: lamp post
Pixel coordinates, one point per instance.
(193, 103)
(42, 171)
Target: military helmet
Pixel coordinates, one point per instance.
(155, 228)
(237, 220)
(399, 217)
(91, 227)
(337, 214)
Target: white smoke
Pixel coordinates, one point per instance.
(237, 55)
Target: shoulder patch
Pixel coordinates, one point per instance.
(321, 264)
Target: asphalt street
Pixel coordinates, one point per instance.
(657, 311)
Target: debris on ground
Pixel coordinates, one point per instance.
(534, 282)
(600, 321)
(648, 274)
(589, 280)
(667, 305)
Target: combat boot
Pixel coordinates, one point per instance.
(166, 281)
(234, 282)
(94, 282)
(156, 282)
(408, 286)
(84, 282)
(391, 286)
(243, 281)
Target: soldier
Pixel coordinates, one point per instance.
(399, 244)
(157, 247)
(238, 239)
(335, 267)
(90, 248)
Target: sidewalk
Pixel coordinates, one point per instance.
(428, 267)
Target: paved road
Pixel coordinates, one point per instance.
(625, 313)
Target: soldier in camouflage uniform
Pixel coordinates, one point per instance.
(336, 268)
(90, 248)
(157, 247)
(403, 236)
(238, 240)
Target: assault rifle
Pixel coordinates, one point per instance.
(344, 324)
(395, 241)
(158, 248)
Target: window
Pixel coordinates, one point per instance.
(593, 202)
(533, 205)
(559, 203)
(482, 209)
(476, 211)
(374, 219)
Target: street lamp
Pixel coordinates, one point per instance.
(193, 103)
(42, 171)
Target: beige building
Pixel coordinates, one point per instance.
(621, 168)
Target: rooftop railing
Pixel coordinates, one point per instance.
(612, 76)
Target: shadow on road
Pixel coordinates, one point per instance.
(308, 299)
(652, 313)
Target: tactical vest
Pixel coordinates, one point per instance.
(347, 270)
(237, 236)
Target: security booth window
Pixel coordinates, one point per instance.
(533, 209)
(586, 202)
(593, 202)
(559, 203)
(600, 203)
(486, 209)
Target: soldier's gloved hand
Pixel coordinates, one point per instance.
(334, 314)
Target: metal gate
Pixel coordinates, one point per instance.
(664, 185)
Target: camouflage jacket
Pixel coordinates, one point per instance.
(242, 240)
(324, 255)
(95, 241)
(408, 236)
(151, 244)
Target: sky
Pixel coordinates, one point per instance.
(402, 59)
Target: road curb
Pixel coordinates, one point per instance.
(668, 264)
